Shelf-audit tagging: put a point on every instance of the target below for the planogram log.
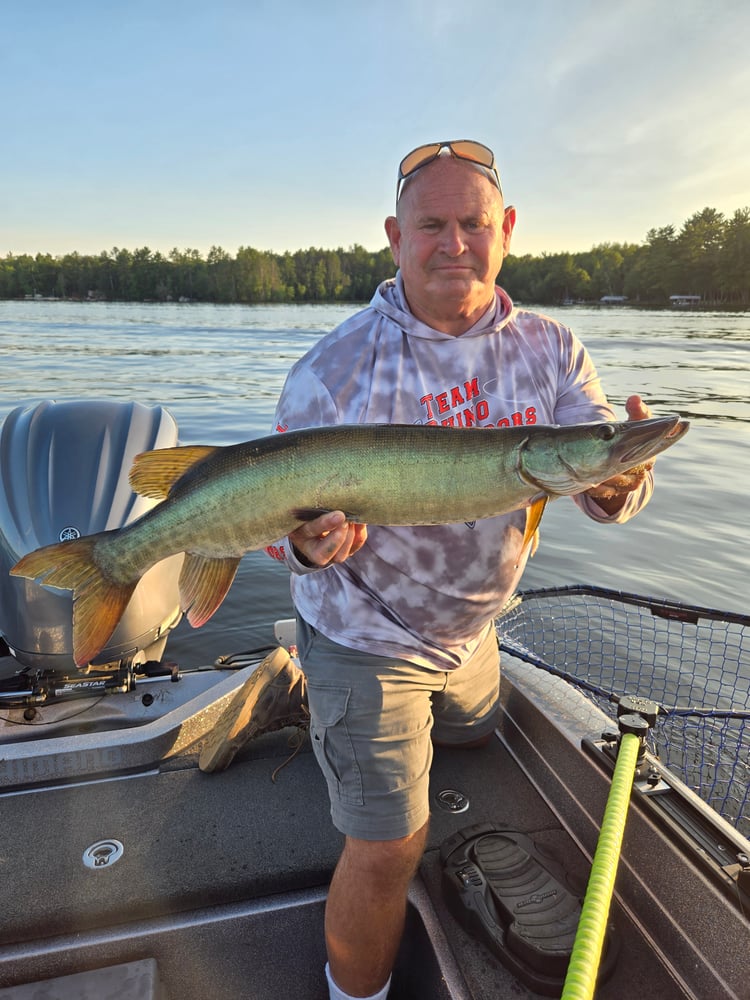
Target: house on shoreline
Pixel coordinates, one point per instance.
(684, 301)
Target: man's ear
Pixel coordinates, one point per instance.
(393, 232)
(509, 221)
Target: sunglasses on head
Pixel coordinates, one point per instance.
(462, 149)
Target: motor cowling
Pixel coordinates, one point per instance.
(64, 473)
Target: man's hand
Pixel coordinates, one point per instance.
(612, 493)
(330, 538)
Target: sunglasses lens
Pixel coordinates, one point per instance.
(474, 151)
(418, 157)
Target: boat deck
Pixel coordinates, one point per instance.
(220, 890)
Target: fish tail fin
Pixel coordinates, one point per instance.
(98, 602)
(204, 583)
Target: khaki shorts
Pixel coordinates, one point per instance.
(373, 719)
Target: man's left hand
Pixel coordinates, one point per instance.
(612, 493)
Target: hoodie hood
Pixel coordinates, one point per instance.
(390, 301)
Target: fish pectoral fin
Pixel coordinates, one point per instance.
(533, 519)
(204, 583)
(154, 473)
(98, 602)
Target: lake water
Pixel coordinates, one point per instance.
(219, 370)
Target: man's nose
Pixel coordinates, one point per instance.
(453, 240)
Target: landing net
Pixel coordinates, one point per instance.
(694, 662)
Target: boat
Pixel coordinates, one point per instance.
(128, 872)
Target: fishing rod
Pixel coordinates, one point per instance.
(635, 717)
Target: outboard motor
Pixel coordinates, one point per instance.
(64, 473)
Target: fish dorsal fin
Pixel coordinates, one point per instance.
(154, 473)
(204, 583)
(533, 519)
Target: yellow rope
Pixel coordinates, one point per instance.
(580, 980)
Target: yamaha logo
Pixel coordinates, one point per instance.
(69, 534)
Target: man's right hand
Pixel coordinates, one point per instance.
(330, 538)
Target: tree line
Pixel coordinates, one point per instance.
(708, 256)
(251, 276)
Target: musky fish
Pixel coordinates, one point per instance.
(220, 502)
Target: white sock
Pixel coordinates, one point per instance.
(335, 993)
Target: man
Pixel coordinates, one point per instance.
(395, 625)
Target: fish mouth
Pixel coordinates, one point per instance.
(644, 439)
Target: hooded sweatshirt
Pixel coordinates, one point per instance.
(428, 594)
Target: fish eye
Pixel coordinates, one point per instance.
(605, 432)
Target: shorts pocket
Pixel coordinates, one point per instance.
(332, 742)
(306, 635)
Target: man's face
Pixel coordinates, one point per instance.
(449, 241)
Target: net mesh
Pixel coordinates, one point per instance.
(694, 662)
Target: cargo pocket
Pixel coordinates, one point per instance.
(332, 742)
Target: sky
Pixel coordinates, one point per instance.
(280, 125)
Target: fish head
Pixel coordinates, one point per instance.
(568, 460)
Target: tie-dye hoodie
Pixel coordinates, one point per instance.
(427, 594)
